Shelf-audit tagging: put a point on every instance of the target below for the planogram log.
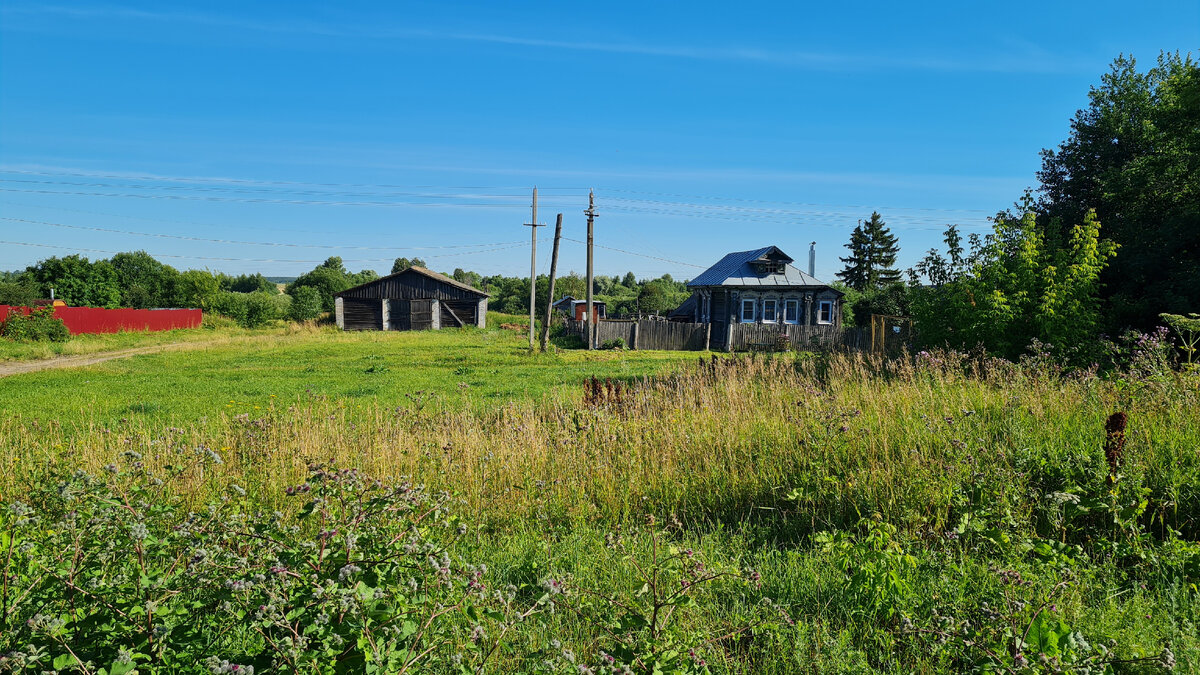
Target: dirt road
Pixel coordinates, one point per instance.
(19, 367)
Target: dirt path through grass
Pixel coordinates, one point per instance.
(19, 367)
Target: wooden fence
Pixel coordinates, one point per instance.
(670, 335)
(750, 336)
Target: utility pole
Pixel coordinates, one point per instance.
(553, 270)
(590, 316)
(533, 226)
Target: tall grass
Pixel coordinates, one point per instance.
(819, 442)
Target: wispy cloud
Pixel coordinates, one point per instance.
(1029, 60)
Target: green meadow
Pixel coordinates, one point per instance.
(313, 501)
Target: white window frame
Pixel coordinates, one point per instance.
(774, 304)
(796, 305)
(753, 310)
(821, 312)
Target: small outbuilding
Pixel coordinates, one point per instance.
(577, 309)
(414, 299)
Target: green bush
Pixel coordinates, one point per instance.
(306, 303)
(17, 293)
(250, 310)
(39, 326)
(615, 343)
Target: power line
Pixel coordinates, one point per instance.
(254, 243)
(770, 201)
(255, 200)
(640, 255)
(251, 181)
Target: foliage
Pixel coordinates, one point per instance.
(1187, 330)
(111, 572)
(402, 264)
(328, 278)
(251, 310)
(306, 304)
(1019, 283)
(253, 283)
(890, 300)
(615, 343)
(873, 250)
(40, 325)
(20, 292)
(144, 281)
(198, 288)
(78, 281)
(1133, 155)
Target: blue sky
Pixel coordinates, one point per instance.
(260, 136)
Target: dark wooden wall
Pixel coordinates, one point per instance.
(360, 314)
(411, 286)
(466, 310)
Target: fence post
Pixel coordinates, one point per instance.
(636, 325)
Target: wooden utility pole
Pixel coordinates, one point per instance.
(533, 226)
(590, 315)
(553, 270)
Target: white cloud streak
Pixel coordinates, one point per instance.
(1028, 60)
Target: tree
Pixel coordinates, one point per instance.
(306, 304)
(1021, 282)
(252, 283)
(198, 288)
(1133, 155)
(78, 281)
(873, 250)
(144, 281)
(402, 264)
(328, 278)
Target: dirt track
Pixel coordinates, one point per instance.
(19, 367)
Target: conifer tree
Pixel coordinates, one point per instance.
(873, 250)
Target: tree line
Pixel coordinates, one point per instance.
(136, 279)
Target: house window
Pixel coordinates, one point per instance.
(769, 311)
(747, 311)
(791, 311)
(825, 312)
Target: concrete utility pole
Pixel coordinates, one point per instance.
(553, 270)
(533, 226)
(590, 316)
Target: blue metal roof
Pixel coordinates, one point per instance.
(735, 270)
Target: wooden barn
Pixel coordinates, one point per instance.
(415, 299)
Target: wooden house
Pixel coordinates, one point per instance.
(576, 309)
(414, 299)
(760, 286)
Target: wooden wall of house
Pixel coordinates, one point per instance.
(362, 314)
(413, 286)
(466, 311)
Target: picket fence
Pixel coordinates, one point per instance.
(670, 335)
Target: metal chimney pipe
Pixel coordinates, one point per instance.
(51, 293)
(812, 260)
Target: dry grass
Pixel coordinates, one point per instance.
(824, 440)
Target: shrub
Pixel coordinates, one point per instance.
(17, 293)
(249, 310)
(615, 343)
(39, 326)
(306, 304)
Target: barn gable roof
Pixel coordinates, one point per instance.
(442, 278)
(735, 269)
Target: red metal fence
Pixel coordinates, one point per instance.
(97, 320)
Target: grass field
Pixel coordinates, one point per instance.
(796, 513)
(244, 371)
